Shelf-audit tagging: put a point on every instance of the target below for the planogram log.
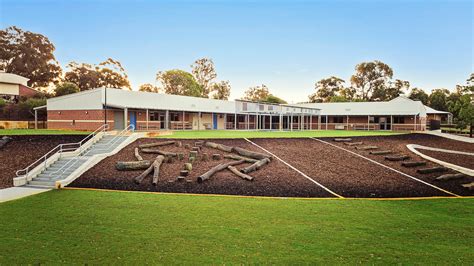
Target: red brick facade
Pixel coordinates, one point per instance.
(26, 91)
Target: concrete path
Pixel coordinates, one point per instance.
(13, 193)
(450, 136)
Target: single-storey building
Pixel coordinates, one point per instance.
(88, 110)
(13, 86)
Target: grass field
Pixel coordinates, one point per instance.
(78, 227)
(213, 134)
(4, 132)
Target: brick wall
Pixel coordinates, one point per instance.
(79, 119)
(27, 92)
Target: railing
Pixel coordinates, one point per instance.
(107, 145)
(60, 149)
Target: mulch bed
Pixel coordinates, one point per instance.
(397, 143)
(24, 150)
(344, 173)
(274, 179)
(466, 161)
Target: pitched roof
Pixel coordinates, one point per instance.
(13, 79)
(398, 106)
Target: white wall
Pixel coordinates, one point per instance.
(10, 89)
(87, 100)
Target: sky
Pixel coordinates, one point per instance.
(286, 45)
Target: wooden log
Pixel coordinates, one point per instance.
(184, 173)
(251, 154)
(353, 143)
(221, 147)
(216, 157)
(4, 141)
(238, 158)
(450, 177)
(397, 158)
(137, 155)
(469, 186)
(432, 170)
(413, 164)
(197, 149)
(140, 177)
(366, 148)
(342, 139)
(380, 152)
(133, 165)
(164, 153)
(216, 169)
(156, 168)
(188, 167)
(254, 167)
(239, 174)
(156, 144)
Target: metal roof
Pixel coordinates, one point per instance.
(398, 106)
(430, 110)
(13, 78)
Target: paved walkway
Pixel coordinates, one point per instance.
(13, 193)
(450, 136)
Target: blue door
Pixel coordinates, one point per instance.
(214, 121)
(133, 119)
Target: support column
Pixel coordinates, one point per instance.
(182, 122)
(125, 117)
(291, 122)
(271, 122)
(36, 119)
(147, 118)
(368, 122)
(199, 120)
(391, 122)
(280, 120)
(319, 122)
(415, 122)
(248, 121)
(311, 122)
(347, 122)
(235, 121)
(167, 119)
(327, 119)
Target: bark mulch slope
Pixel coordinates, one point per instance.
(24, 150)
(466, 161)
(345, 173)
(397, 143)
(274, 179)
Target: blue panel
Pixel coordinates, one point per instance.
(215, 121)
(133, 119)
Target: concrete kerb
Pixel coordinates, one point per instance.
(413, 148)
(95, 159)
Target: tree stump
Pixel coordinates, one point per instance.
(180, 156)
(380, 152)
(218, 146)
(193, 154)
(179, 144)
(188, 167)
(397, 158)
(134, 165)
(184, 173)
(366, 148)
(353, 143)
(450, 177)
(413, 164)
(187, 146)
(199, 143)
(216, 169)
(255, 166)
(4, 141)
(192, 160)
(169, 159)
(432, 170)
(204, 157)
(216, 157)
(156, 144)
(196, 149)
(342, 139)
(180, 178)
(251, 154)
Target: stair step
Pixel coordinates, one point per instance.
(42, 183)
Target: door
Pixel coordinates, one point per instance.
(133, 119)
(118, 120)
(214, 121)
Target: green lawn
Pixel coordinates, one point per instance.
(4, 132)
(212, 134)
(91, 227)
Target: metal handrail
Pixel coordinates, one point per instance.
(109, 143)
(60, 149)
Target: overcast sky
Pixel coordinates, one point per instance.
(287, 45)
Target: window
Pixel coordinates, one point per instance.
(174, 116)
(399, 120)
(338, 119)
(373, 119)
(323, 119)
(154, 116)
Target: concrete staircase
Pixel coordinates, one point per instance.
(64, 166)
